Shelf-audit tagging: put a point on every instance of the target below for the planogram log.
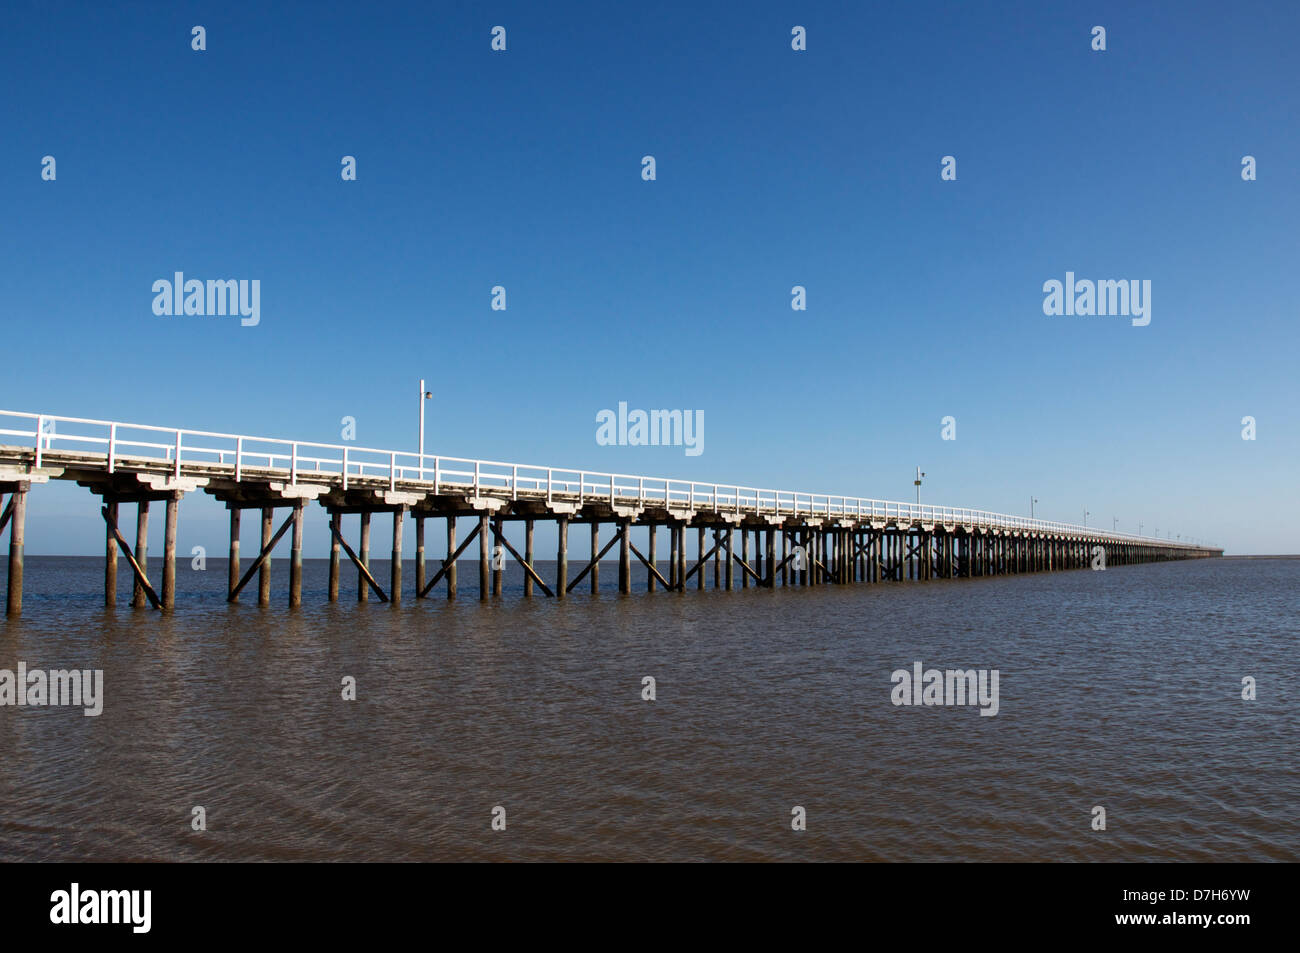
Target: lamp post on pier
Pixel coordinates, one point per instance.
(424, 395)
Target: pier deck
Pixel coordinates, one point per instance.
(823, 539)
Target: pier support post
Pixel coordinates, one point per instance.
(110, 558)
(141, 551)
(295, 556)
(651, 555)
(624, 557)
(744, 556)
(17, 540)
(595, 552)
(562, 557)
(395, 570)
(484, 531)
(232, 569)
(717, 559)
(334, 559)
(264, 572)
(363, 587)
(419, 557)
(498, 573)
(449, 564)
(672, 556)
(731, 538)
(699, 574)
(771, 555)
(528, 557)
(169, 552)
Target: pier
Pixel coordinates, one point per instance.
(746, 537)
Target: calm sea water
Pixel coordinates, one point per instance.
(1120, 689)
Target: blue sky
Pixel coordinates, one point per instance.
(775, 168)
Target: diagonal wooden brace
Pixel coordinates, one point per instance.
(703, 559)
(261, 558)
(130, 558)
(745, 566)
(645, 562)
(599, 556)
(448, 563)
(501, 538)
(365, 573)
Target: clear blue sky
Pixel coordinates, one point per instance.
(775, 168)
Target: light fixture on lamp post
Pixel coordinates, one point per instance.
(1032, 501)
(917, 481)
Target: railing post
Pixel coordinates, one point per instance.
(40, 425)
(293, 462)
(112, 445)
(549, 482)
(514, 483)
(345, 468)
(239, 457)
(435, 475)
(476, 474)
(178, 455)
(392, 469)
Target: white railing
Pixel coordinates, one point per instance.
(302, 461)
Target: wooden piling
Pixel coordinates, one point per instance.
(484, 555)
(562, 557)
(744, 556)
(497, 549)
(232, 568)
(295, 556)
(449, 564)
(169, 552)
(419, 557)
(363, 584)
(681, 556)
(717, 558)
(699, 571)
(395, 569)
(528, 557)
(595, 552)
(263, 573)
(672, 556)
(17, 541)
(652, 557)
(110, 559)
(625, 557)
(334, 559)
(138, 599)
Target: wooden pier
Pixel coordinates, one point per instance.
(751, 537)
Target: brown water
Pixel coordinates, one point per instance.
(1119, 688)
